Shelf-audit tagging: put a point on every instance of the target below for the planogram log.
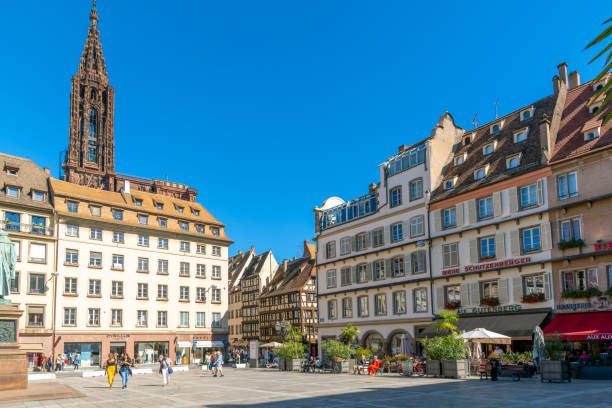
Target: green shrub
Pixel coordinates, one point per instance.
(290, 350)
(359, 351)
(451, 347)
(336, 349)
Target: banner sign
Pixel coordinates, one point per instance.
(603, 246)
(496, 265)
(492, 309)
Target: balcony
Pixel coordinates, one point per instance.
(348, 211)
(9, 226)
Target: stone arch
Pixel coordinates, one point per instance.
(389, 342)
(373, 335)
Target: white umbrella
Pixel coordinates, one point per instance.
(481, 335)
(272, 344)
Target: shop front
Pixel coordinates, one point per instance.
(201, 347)
(183, 351)
(148, 352)
(89, 353)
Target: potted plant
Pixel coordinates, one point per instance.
(452, 305)
(406, 363)
(577, 294)
(533, 298)
(554, 368)
(339, 353)
(446, 355)
(291, 352)
(348, 335)
(489, 301)
(572, 243)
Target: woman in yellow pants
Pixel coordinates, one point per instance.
(111, 368)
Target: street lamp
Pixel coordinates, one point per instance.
(54, 276)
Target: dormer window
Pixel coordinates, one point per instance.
(12, 171)
(480, 173)
(448, 184)
(591, 134)
(467, 140)
(520, 136)
(38, 195)
(195, 212)
(159, 206)
(12, 191)
(513, 161)
(137, 201)
(488, 149)
(162, 222)
(199, 229)
(184, 226)
(458, 160)
(496, 127)
(527, 114)
(95, 211)
(179, 209)
(214, 231)
(594, 109)
(599, 85)
(143, 219)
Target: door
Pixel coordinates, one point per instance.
(117, 348)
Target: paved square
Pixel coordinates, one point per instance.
(260, 388)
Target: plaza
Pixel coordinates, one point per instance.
(267, 388)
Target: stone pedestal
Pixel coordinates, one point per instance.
(13, 362)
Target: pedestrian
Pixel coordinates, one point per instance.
(213, 364)
(208, 362)
(50, 364)
(164, 366)
(125, 364)
(110, 368)
(76, 362)
(219, 364)
(58, 363)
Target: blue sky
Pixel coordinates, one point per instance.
(270, 107)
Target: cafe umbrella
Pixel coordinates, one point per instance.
(8, 258)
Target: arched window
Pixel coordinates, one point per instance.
(93, 119)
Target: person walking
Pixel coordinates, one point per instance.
(219, 364)
(208, 360)
(76, 362)
(164, 366)
(124, 362)
(110, 368)
(213, 364)
(58, 362)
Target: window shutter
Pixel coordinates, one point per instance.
(473, 251)
(475, 293)
(500, 246)
(354, 243)
(540, 192)
(497, 208)
(515, 244)
(459, 214)
(382, 238)
(368, 236)
(406, 230)
(424, 260)
(513, 193)
(545, 235)
(502, 290)
(471, 211)
(368, 272)
(388, 267)
(355, 270)
(547, 291)
(517, 289)
(440, 298)
(407, 264)
(465, 296)
(437, 216)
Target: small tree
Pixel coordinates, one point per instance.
(447, 322)
(349, 334)
(292, 347)
(451, 347)
(334, 349)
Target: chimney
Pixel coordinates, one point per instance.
(126, 187)
(574, 80)
(239, 252)
(556, 84)
(402, 148)
(372, 187)
(563, 72)
(47, 171)
(545, 137)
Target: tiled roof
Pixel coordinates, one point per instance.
(299, 272)
(575, 120)
(530, 150)
(256, 265)
(29, 177)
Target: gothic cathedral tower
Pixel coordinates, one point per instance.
(90, 160)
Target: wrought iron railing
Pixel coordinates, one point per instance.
(35, 229)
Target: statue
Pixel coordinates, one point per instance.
(8, 258)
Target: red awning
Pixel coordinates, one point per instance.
(581, 326)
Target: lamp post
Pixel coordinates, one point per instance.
(54, 276)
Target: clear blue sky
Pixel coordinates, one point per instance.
(269, 107)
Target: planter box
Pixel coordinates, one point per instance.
(555, 370)
(346, 366)
(282, 364)
(434, 367)
(407, 368)
(293, 364)
(595, 372)
(455, 368)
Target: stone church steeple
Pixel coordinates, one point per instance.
(90, 160)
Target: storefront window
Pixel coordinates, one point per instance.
(88, 352)
(149, 352)
(182, 352)
(375, 343)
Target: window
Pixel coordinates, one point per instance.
(184, 226)
(450, 255)
(201, 249)
(95, 287)
(380, 304)
(378, 237)
(495, 128)
(488, 149)
(417, 226)
(520, 136)
(72, 206)
(11, 171)
(17, 249)
(416, 189)
(93, 317)
(397, 266)
(118, 237)
(95, 211)
(449, 217)
(580, 280)
(117, 215)
(37, 284)
(570, 229)
(513, 162)
(594, 109)
(487, 247)
(216, 295)
(399, 302)
(526, 114)
(467, 140)
(184, 269)
(72, 257)
(143, 240)
(12, 191)
(489, 289)
(345, 246)
(485, 208)
(361, 273)
(216, 272)
(143, 264)
(183, 319)
(347, 307)
(95, 233)
(448, 184)
(200, 319)
(12, 221)
(417, 260)
(162, 222)
(69, 316)
(137, 201)
(36, 316)
(143, 291)
(162, 319)
(116, 317)
(361, 241)
(72, 230)
(458, 160)
(117, 289)
(345, 276)
(531, 239)
(332, 309)
(533, 285)
(378, 271)
(162, 266)
(363, 309)
(184, 294)
(201, 270)
(529, 196)
(396, 196)
(14, 285)
(452, 295)
(143, 219)
(184, 246)
(479, 174)
(420, 300)
(141, 318)
(200, 229)
(200, 294)
(95, 259)
(567, 186)
(216, 320)
(591, 135)
(159, 206)
(38, 252)
(179, 209)
(162, 292)
(396, 232)
(331, 278)
(330, 249)
(70, 286)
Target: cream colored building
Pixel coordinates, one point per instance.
(138, 272)
(372, 252)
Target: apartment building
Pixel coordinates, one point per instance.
(27, 217)
(138, 272)
(491, 234)
(372, 252)
(257, 276)
(291, 298)
(237, 264)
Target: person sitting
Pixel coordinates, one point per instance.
(311, 363)
(274, 364)
(375, 365)
(361, 365)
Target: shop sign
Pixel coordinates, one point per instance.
(599, 336)
(117, 336)
(603, 246)
(487, 309)
(496, 265)
(450, 271)
(595, 305)
(574, 306)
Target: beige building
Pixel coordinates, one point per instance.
(27, 216)
(237, 264)
(138, 272)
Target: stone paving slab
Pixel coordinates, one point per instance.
(267, 388)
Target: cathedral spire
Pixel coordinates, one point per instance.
(92, 60)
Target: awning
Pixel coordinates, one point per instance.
(208, 344)
(518, 325)
(183, 344)
(581, 326)
(31, 347)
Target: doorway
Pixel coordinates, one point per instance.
(117, 348)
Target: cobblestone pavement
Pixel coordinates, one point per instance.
(259, 388)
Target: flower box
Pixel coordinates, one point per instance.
(576, 294)
(489, 301)
(534, 298)
(455, 368)
(452, 305)
(555, 370)
(572, 243)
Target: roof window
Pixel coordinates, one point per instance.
(527, 114)
(495, 128)
(591, 134)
